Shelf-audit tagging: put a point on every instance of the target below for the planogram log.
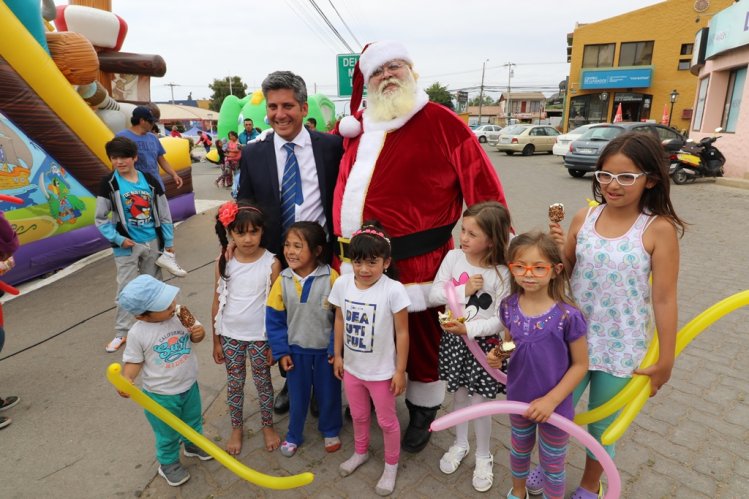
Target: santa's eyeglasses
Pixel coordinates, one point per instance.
(391, 67)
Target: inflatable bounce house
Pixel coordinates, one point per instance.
(66, 89)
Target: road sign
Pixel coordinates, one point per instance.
(346, 63)
(462, 96)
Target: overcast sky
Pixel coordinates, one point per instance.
(448, 40)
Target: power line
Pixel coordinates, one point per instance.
(330, 25)
(346, 25)
(314, 29)
(352, 14)
(501, 66)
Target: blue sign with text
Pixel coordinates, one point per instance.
(616, 78)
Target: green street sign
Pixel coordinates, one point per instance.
(346, 64)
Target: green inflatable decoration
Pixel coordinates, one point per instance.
(234, 111)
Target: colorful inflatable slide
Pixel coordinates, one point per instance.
(52, 141)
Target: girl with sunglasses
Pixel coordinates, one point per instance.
(549, 360)
(611, 250)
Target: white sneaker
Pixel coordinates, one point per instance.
(168, 261)
(115, 344)
(452, 459)
(483, 474)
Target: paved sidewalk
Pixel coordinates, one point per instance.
(689, 442)
(72, 436)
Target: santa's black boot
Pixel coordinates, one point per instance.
(417, 434)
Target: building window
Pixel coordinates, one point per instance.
(636, 54)
(684, 64)
(687, 48)
(586, 109)
(700, 110)
(599, 56)
(733, 99)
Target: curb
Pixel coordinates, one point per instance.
(739, 183)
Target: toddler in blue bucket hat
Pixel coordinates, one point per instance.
(159, 346)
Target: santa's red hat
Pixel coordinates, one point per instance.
(373, 55)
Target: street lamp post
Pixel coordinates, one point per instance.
(481, 93)
(674, 97)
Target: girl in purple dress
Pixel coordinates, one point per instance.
(549, 360)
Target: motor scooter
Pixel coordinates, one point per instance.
(694, 161)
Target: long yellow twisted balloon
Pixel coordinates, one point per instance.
(685, 336)
(239, 469)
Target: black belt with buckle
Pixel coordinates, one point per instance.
(408, 246)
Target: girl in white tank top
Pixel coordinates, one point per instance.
(611, 250)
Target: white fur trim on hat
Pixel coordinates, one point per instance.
(378, 53)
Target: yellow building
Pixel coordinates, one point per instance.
(639, 61)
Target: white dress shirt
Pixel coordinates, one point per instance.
(311, 209)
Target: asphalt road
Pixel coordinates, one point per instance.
(72, 436)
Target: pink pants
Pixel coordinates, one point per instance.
(358, 393)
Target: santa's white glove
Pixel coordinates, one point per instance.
(262, 136)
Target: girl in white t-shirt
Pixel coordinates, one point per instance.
(243, 283)
(371, 347)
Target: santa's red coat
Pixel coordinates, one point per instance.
(413, 174)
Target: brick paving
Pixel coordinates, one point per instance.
(72, 437)
(689, 441)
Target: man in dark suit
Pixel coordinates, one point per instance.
(263, 164)
(305, 162)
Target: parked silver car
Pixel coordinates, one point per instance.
(487, 133)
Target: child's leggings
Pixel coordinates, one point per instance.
(236, 353)
(482, 426)
(185, 406)
(603, 386)
(552, 451)
(358, 393)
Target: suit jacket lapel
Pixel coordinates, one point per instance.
(271, 166)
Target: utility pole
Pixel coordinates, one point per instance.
(230, 91)
(481, 93)
(509, 90)
(171, 87)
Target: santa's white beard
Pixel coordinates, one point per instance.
(395, 103)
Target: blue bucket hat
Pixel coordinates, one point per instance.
(145, 293)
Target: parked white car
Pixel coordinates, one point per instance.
(562, 145)
(487, 133)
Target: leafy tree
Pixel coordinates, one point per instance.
(488, 101)
(439, 94)
(220, 87)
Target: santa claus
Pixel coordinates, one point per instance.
(410, 164)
